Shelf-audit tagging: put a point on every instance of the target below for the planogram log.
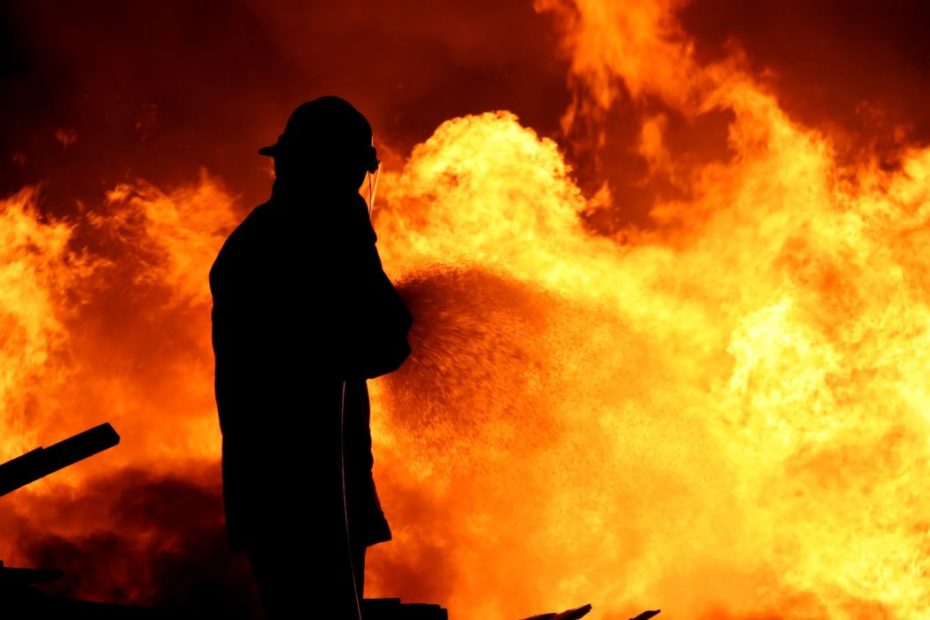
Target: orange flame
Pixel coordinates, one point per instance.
(722, 414)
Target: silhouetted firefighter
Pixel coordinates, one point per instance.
(303, 315)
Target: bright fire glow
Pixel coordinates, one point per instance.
(725, 416)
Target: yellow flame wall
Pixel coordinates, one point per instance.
(724, 414)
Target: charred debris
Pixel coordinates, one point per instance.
(20, 598)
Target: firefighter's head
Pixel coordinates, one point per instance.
(326, 141)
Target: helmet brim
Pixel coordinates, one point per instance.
(270, 151)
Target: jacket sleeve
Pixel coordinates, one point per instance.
(378, 341)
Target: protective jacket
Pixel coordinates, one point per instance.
(301, 308)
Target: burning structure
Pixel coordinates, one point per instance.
(666, 261)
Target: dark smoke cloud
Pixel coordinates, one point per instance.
(858, 70)
(94, 93)
(146, 89)
(134, 537)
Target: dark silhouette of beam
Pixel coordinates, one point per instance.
(41, 462)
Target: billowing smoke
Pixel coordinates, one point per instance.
(161, 542)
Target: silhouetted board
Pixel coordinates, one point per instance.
(568, 614)
(393, 609)
(43, 461)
